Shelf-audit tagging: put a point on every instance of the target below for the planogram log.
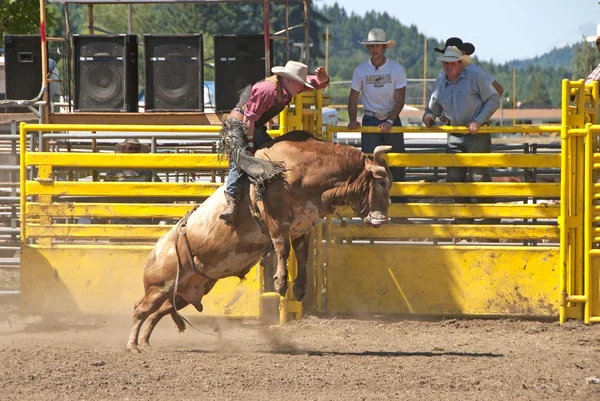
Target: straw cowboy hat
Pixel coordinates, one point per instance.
(377, 37)
(452, 53)
(293, 70)
(466, 47)
(593, 38)
(144, 148)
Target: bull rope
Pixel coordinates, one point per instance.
(181, 230)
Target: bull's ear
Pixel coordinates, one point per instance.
(378, 154)
(378, 171)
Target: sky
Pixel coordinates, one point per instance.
(500, 30)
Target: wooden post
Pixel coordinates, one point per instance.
(90, 19)
(287, 31)
(306, 34)
(45, 96)
(425, 71)
(267, 40)
(327, 49)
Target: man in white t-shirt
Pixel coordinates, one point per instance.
(383, 85)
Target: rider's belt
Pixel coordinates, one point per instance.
(381, 115)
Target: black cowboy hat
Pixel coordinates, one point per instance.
(466, 47)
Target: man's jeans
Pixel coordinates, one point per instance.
(369, 141)
(236, 184)
(465, 143)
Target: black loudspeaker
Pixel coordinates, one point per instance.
(23, 66)
(239, 61)
(106, 72)
(174, 72)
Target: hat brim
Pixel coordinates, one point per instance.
(285, 73)
(466, 60)
(591, 38)
(389, 43)
(468, 48)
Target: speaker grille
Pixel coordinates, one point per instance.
(174, 72)
(105, 72)
(239, 61)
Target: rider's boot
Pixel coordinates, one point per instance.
(228, 215)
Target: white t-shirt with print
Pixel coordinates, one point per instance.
(378, 85)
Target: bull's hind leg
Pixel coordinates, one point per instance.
(153, 319)
(150, 303)
(282, 248)
(276, 216)
(301, 245)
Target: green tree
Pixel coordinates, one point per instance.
(22, 17)
(539, 92)
(585, 59)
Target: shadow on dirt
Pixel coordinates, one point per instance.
(382, 354)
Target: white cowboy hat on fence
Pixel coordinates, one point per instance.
(377, 37)
(593, 38)
(452, 54)
(293, 70)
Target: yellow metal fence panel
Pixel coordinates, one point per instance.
(442, 280)
(196, 161)
(474, 160)
(128, 189)
(475, 189)
(512, 232)
(71, 280)
(108, 210)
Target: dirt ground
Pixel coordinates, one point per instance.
(315, 358)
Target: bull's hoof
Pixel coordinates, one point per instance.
(282, 291)
(133, 349)
(146, 346)
(299, 292)
(281, 288)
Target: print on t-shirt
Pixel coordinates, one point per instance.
(379, 80)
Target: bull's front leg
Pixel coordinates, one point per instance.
(301, 245)
(282, 249)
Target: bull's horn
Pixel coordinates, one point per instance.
(379, 151)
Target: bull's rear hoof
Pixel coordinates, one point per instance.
(134, 349)
(299, 293)
(281, 290)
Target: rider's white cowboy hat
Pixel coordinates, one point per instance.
(593, 38)
(144, 148)
(294, 70)
(452, 54)
(377, 37)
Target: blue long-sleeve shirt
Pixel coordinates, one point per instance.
(470, 98)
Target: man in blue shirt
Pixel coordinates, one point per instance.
(463, 97)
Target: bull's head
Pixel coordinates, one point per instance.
(380, 184)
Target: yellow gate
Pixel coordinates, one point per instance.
(580, 294)
(424, 265)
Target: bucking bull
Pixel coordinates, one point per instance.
(186, 262)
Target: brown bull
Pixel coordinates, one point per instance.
(318, 176)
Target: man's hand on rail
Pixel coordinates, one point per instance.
(474, 127)
(429, 121)
(353, 125)
(385, 127)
